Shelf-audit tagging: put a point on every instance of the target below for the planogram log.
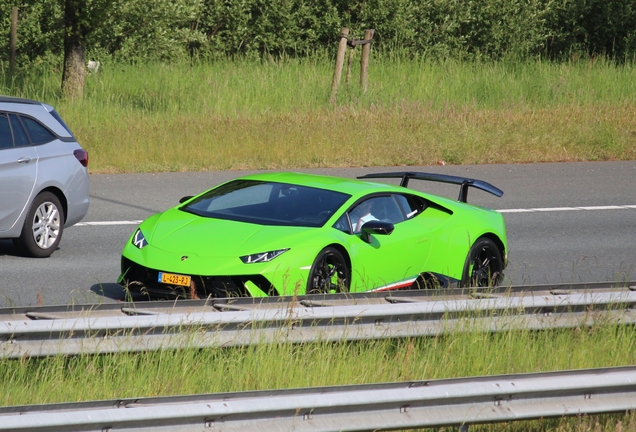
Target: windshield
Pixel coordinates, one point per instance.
(268, 203)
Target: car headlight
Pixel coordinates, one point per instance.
(139, 240)
(263, 256)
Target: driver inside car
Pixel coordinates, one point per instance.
(361, 215)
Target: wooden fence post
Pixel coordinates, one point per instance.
(342, 48)
(13, 38)
(349, 63)
(364, 63)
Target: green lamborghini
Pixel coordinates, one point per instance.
(276, 234)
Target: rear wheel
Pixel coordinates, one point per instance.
(330, 273)
(484, 265)
(43, 226)
(427, 281)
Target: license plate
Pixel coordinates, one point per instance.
(174, 279)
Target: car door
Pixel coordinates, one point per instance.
(386, 260)
(18, 170)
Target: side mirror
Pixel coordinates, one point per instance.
(376, 227)
(185, 198)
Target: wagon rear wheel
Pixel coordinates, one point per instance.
(43, 226)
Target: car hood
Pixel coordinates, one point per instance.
(178, 231)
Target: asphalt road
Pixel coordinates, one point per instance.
(567, 222)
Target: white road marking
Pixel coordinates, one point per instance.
(520, 210)
(558, 209)
(104, 223)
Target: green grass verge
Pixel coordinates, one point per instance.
(274, 366)
(276, 115)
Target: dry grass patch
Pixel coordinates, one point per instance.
(409, 134)
(240, 114)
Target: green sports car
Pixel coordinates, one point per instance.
(276, 234)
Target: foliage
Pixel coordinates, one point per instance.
(143, 29)
(125, 29)
(434, 28)
(82, 18)
(40, 29)
(486, 29)
(275, 27)
(594, 27)
(494, 29)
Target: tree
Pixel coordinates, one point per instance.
(81, 18)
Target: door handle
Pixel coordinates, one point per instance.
(24, 159)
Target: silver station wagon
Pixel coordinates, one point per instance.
(43, 176)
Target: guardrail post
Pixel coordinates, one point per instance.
(342, 48)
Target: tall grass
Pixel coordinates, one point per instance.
(280, 365)
(275, 115)
(283, 365)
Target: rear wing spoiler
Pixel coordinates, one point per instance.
(464, 182)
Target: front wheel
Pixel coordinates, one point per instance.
(484, 265)
(330, 273)
(43, 226)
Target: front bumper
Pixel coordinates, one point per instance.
(138, 278)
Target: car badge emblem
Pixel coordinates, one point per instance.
(185, 257)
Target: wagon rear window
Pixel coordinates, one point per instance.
(38, 133)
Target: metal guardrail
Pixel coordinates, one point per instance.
(43, 331)
(446, 402)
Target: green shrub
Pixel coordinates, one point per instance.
(458, 29)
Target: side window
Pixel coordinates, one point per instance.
(382, 208)
(57, 117)
(342, 224)
(6, 139)
(411, 205)
(19, 135)
(38, 133)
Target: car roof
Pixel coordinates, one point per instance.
(36, 109)
(355, 188)
(11, 99)
(337, 184)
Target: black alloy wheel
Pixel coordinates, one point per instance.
(484, 265)
(330, 273)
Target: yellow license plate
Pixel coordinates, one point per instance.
(174, 279)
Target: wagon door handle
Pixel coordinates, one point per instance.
(24, 159)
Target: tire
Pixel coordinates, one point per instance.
(43, 227)
(484, 265)
(330, 273)
(427, 281)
